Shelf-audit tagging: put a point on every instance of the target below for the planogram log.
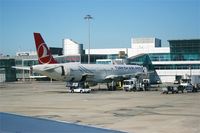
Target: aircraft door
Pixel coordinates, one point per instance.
(62, 71)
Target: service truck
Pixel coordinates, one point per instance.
(130, 84)
(133, 85)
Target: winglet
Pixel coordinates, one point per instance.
(43, 52)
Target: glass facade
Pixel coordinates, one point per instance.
(174, 57)
(164, 57)
(184, 46)
(160, 56)
(185, 50)
(180, 50)
(7, 70)
(177, 66)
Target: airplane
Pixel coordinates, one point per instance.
(81, 73)
(77, 72)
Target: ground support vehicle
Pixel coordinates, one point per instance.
(77, 87)
(81, 90)
(134, 85)
(188, 87)
(169, 89)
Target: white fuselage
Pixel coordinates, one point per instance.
(77, 72)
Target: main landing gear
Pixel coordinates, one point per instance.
(111, 86)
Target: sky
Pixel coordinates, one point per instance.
(113, 25)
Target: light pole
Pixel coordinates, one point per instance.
(190, 67)
(23, 77)
(88, 18)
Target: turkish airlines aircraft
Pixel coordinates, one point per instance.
(77, 72)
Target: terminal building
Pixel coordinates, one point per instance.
(181, 60)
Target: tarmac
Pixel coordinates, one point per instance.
(134, 112)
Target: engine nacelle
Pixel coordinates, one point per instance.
(71, 75)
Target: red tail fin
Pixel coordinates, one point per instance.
(44, 54)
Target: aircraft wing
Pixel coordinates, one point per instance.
(114, 77)
(88, 74)
(49, 68)
(37, 77)
(134, 74)
(21, 68)
(122, 77)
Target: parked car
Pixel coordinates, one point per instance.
(189, 88)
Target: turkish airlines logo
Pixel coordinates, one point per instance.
(43, 54)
